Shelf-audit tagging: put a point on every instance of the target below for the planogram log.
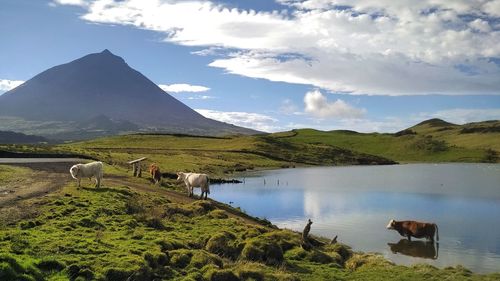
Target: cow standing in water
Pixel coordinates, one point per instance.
(195, 180)
(415, 229)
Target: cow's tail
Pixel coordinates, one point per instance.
(437, 232)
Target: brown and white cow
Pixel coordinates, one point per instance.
(154, 170)
(415, 229)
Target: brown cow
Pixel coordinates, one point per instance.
(415, 229)
(154, 170)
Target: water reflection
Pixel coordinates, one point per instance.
(417, 249)
(355, 203)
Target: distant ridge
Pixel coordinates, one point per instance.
(8, 137)
(436, 122)
(103, 87)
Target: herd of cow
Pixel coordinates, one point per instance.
(95, 170)
(191, 180)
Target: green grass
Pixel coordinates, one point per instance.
(407, 148)
(10, 173)
(114, 233)
(216, 156)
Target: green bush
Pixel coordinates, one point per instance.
(50, 264)
(180, 258)
(201, 258)
(223, 244)
(262, 250)
(218, 214)
(11, 269)
(170, 244)
(220, 275)
(156, 260)
(117, 274)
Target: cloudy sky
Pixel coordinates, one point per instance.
(277, 65)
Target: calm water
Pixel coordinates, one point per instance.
(357, 202)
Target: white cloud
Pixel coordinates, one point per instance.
(178, 88)
(480, 25)
(201, 97)
(462, 115)
(7, 85)
(381, 47)
(70, 2)
(251, 120)
(318, 105)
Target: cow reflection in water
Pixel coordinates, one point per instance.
(419, 249)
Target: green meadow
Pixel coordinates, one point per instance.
(132, 230)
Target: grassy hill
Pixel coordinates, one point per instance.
(217, 156)
(131, 230)
(434, 140)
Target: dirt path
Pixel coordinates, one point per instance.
(43, 179)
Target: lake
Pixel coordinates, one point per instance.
(357, 202)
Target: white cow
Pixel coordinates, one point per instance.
(89, 170)
(195, 180)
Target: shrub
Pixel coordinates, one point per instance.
(169, 244)
(222, 244)
(133, 206)
(342, 250)
(50, 264)
(262, 250)
(180, 258)
(202, 258)
(27, 224)
(19, 243)
(218, 214)
(319, 257)
(11, 269)
(89, 222)
(156, 260)
(359, 260)
(117, 274)
(284, 238)
(251, 271)
(220, 275)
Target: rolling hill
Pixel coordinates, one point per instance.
(433, 140)
(103, 87)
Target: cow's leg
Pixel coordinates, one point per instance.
(98, 182)
(409, 237)
(78, 181)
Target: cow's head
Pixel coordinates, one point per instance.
(391, 224)
(180, 176)
(74, 171)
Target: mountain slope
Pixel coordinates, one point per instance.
(7, 137)
(430, 141)
(103, 84)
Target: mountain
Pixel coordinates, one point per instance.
(8, 137)
(103, 86)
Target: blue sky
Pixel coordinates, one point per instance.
(278, 65)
